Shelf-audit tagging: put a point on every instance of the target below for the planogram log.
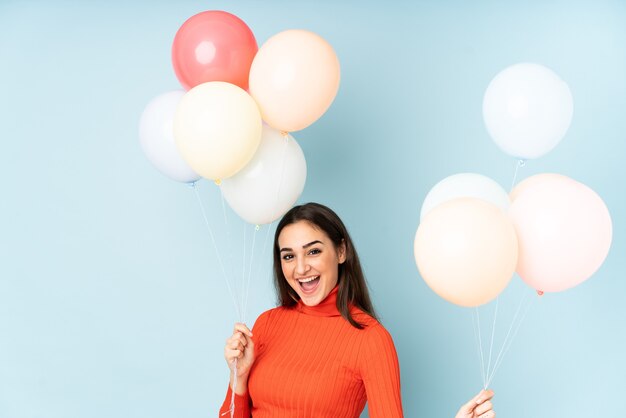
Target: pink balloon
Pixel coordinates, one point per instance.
(213, 46)
(564, 231)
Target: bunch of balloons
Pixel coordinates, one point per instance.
(231, 124)
(552, 230)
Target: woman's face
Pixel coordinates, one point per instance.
(310, 261)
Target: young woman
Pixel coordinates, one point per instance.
(321, 353)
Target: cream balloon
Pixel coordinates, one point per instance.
(217, 128)
(465, 185)
(269, 185)
(294, 78)
(466, 251)
(564, 230)
(156, 136)
(527, 110)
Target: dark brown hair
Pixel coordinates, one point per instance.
(352, 285)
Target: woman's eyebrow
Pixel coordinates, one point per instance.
(311, 243)
(304, 246)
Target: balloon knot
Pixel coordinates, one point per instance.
(540, 293)
(284, 134)
(257, 227)
(218, 182)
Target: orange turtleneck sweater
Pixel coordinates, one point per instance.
(310, 362)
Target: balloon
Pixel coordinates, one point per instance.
(530, 181)
(465, 185)
(527, 109)
(294, 78)
(271, 183)
(564, 231)
(213, 46)
(466, 251)
(156, 136)
(217, 128)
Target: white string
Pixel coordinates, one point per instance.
(243, 269)
(232, 396)
(506, 338)
(510, 342)
(493, 331)
(229, 243)
(520, 163)
(480, 341)
(247, 287)
(260, 264)
(219, 258)
(478, 351)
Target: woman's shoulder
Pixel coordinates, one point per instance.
(365, 319)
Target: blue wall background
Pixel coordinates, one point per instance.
(111, 300)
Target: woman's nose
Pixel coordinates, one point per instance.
(301, 266)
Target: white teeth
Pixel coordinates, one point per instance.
(308, 279)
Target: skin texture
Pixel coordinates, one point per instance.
(306, 252)
(479, 406)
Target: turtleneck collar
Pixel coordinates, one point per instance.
(327, 307)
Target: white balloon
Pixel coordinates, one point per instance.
(271, 183)
(527, 109)
(465, 185)
(156, 136)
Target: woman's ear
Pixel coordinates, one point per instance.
(341, 251)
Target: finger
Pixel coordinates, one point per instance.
(468, 408)
(243, 328)
(239, 337)
(236, 345)
(483, 407)
(484, 395)
(490, 414)
(233, 354)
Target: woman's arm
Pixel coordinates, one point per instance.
(240, 346)
(380, 372)
(239, 355)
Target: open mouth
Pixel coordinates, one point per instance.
(309, 284)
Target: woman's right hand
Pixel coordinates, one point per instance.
(240, 347)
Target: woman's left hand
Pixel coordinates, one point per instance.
(479, 407)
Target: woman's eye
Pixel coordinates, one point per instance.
(314, 251)
(287, 257)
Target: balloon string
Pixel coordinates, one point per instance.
(477, 341)
(229, 243)
(232, 395)
(519, 324)
(480, 342)
(507, 342)
(493, 331)
(247, 287)
(243, 267)
(219, 258)
(518, 164)
(260, 264)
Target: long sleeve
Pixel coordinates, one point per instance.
(380, 371)
(243, 403)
